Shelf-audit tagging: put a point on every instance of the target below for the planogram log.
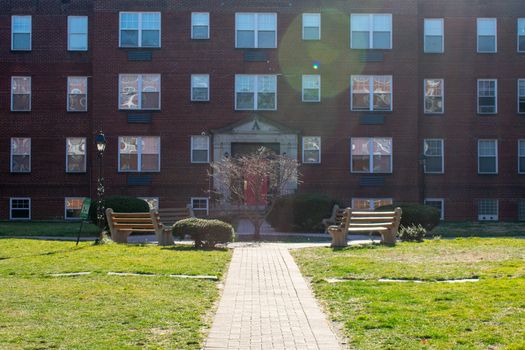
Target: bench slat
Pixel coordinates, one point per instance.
(373, 224)
(373, 213)
(375, 218)
(368, 229)
(131, 220)
(130, 215)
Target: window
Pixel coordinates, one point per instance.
(487, 156)
(521, 156)
(488, 210)
(434, 96)
(311, 26)
(20, 155)
(370, 203)
(21, 33)
(433, 151)
(199, 206)
(439, 204)
(139, 29)
(20, 94)
(77, 94)
(256, 30)
(312, 149)
(311, 88)
(487, 34)
(371, 155)
(76, 155)
(200, 149)
(521, 34)
(139, 91)
(72, 207)
(77, 33)
(371, 93)
(487, 96)
(153, 202)
(139, 154)
(371, 31)
(200, 87)
(200, 25)
(434, 35)
(255, 92)
(521, 210)
(20, 209)
(521, 95)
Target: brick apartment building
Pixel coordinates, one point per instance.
(380, 100)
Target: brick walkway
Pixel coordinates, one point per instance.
(267, 304)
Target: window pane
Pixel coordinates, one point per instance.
(381, 40)
(129, 20)
(151, 20)
(487, 26)
(487, 43)
(266, 39)
(311, 33)
(433, 27)
(433, 148)
(150, 38)
(433, 164)
(21, 41)
(200, 156)
(246, 38)
(77, 24)
(487, 164)
(128, 145)
(200, 94)
(245, 100)
(76, 151)
(22, 24)
(266, 21)
(521, 164)
(21, 164)
(311, 20)
(433, 44)
(200, 18)
(360, 40)
(382, 23)
(311, 143)
(129, 86)
(150, 162)
(311, 156)
(266, 100)
(245, 21)
(200, 142)
(77, 41)
(200, 32)
(129, 38)
(21, 146)
(360, 23)
(487, 148)
(21, 102)
(488, 207)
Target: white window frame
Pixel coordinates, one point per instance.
(30, 93)
(497, 160)
(318, 77)
(192, 87)
(30, 156)
(200, 209)
(85, 48)
(425, 96)
(303, 149)
(139, 155)
(256, 29)
(318, 15)
(442, 156)
(30, 32)
(11, 208)
(371, 156)
(520, 155)
(518, 93)
(481, 216)
(192, 148)
(442, 20)
(65, 208)
(371, 201)
(371, 97)
(145, 199)
(256, 92)
(442, 211)
(139, 29)
(495, 96)
(68, 94)
(371, 30)
(139, 92)
(85, 156)
(518, 34)
(478, 20)
(193, 24)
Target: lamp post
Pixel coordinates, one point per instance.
(100, 142)
(423, 162)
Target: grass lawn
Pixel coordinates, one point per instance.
(97, 311)
(480, 229)
(489, 314)
(46, 228)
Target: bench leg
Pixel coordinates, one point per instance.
(339, 239)
(388, 238)
(119, 236)
(165, 237)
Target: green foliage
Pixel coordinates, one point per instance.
(119, 204)
(414, 233)
(415, 214)
(205, 233)
(302, 212)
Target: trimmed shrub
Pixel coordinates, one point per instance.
(416, 214)
(301, 212)
(412, 233)
(206, 233)
(119, 204)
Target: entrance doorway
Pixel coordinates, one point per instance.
(240, 149)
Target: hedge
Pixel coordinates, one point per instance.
(206, 233)
(415, 214)
(119, 204)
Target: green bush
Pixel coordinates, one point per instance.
(301, 212)
(206, 233)
(119, 204)
(412, 233)
(416, 214)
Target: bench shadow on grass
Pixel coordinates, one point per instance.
(191, 248)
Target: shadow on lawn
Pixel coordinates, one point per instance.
(189, 248)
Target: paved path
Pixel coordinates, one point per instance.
(267, 304)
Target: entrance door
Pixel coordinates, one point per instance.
(241, 149)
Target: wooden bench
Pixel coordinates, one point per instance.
(122, 224)
(332, 220)
(349, 221)
(170, 216)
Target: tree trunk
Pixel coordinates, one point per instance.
(257, 230)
